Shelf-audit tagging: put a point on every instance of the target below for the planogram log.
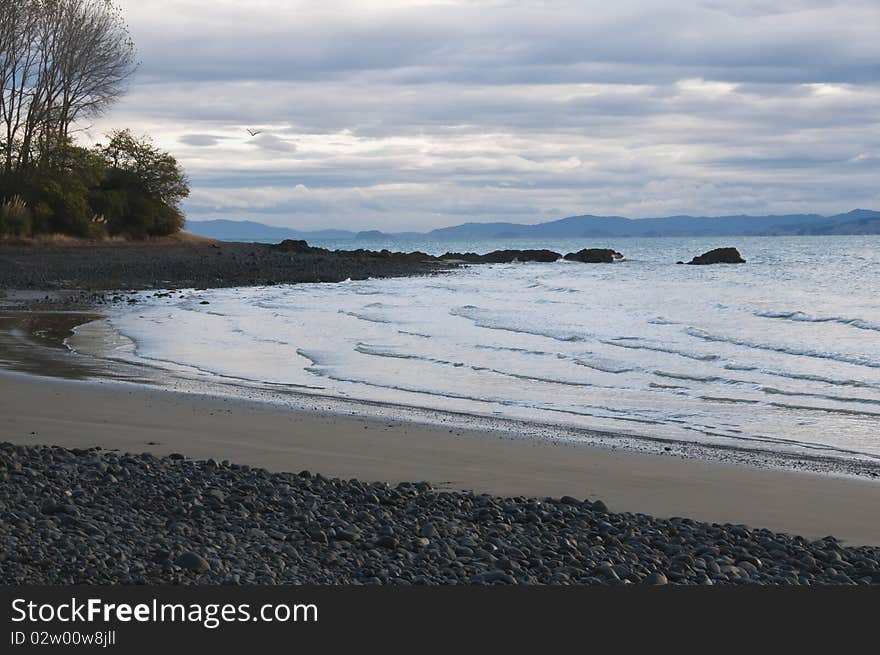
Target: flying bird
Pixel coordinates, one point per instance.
(254, 132)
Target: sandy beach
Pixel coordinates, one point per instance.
(135, 419)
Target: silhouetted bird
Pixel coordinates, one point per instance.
(254, 132)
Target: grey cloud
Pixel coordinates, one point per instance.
(408, 119)
(201, 140)
(273, 143)
(556, 42)
(382, 110)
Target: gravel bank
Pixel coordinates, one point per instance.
(97, 517)
(202, 264)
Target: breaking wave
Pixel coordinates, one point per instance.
(801, 317)
(649, 347)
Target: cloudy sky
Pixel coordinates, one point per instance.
(402, 114)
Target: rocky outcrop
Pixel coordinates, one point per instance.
(466, 257)
(718, 256)
(594, 256)
(147, 265)
(505, 256)
(502, 256)
(292, 245)
(360, 253)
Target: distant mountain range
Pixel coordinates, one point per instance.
(251, 231)
(858, 221)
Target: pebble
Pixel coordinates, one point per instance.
(178, 521)
(192, 562)
(658, 578)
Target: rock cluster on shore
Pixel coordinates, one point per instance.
(95, 517)
(145, 265)
(585, 256)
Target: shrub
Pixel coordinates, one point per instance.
(129, 188)
(15, 217)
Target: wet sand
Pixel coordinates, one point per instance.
(135, 418)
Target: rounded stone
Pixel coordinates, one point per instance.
(656, 578)
(193, 562)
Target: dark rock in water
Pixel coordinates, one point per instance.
(193, 562)
(503, 256)
(506, 256)
(468, 257)
(594, 256)
(292, 245)
(718, 256)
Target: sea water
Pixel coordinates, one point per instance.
(780, 353)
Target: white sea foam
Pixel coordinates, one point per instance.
(857, 323)
(643, 346)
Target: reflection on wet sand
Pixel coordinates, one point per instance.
(36, 342)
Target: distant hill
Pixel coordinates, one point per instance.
(251, 231)
(671, 226)
(858, 221)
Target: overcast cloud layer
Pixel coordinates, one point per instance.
(402, 115)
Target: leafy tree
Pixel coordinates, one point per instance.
(62, 61)
(142, 188)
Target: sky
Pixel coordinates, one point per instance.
(409, 115)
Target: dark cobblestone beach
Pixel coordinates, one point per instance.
(99, 517)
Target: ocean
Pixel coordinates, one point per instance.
(779, 354)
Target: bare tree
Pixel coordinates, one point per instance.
(18, 70)
(94, 61)
(61, 61)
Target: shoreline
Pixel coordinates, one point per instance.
(43, 335)
(75, 344)
(136, 418)
(197, 416)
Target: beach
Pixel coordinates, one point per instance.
(136, 419)
(777, 356)
(512, 301)
(75, 516)
(146, 475)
